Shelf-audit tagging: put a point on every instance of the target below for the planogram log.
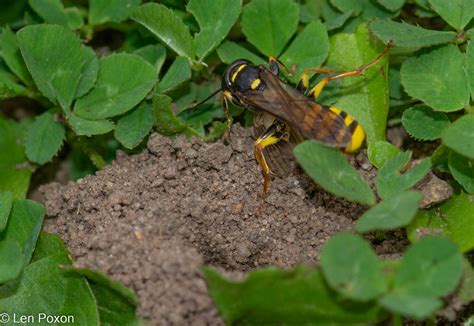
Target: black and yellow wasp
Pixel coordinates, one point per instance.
(283, 113)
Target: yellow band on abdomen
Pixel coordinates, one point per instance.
(356, 139)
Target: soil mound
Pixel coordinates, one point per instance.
(150, 220)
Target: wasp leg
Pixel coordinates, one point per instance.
(228, 117)
(274, 133)
(303, 84)
(276, 65)
(316, 90)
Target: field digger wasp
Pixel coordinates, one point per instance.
(284, 114)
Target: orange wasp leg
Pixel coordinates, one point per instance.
(272, 135)
(303, 84)
(316, 90)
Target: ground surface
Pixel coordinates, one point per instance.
(152, 219)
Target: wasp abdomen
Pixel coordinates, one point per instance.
(354, 132)
(333, 127)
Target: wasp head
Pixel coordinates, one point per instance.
(241, 77)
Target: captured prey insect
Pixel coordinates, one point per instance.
(283, 113)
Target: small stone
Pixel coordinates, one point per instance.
(157, 182)
(190, 153)
(215, 155)
(243, 251)
(138, 235)
(170, 173)
(293, 219)
(366, 166)
(237, 208)
(434, 189)
(180, 142)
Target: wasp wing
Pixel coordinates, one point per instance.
(330, 126)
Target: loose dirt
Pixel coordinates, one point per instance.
(152, 219)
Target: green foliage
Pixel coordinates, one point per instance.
(462, 170)
(424, 4)
(367, 9)
(395, 87)
(86, 295)
(81, 164)
(89, 73)
(423, 123)
(459, 136)
(440, 159)
(10, 266)
(429, 270)
(297, 296)
(230, 51)
(167, 27)
(453, 219)
(10, 53)
(405, 35)
(269, 25)
(84, 127)
(215, 17)
(309, 49)
(178, 73)
(44, 138)
(55, 71)
(65, 295)
(431, 76)
(103, 11)
(392, 5)
(9, 86)
(394, 212)
(19, 237)
(53, 12)
(122, 83)
(310, 10)
(390, 181)
(12, 177)
(166, 123)
(351, 267)
(154, 54)
(457, 13)
(321, 163)
(466, 291)
(334, 18)
(379, 152)
(116, 304)
(412, 286)
(470, 64)
(134, 126)
(6, 201)
(47, 245)
(366, 97)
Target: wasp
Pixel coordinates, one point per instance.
(284, 114)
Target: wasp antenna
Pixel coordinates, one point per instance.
(205, 100)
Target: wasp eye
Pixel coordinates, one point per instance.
(232, 71)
